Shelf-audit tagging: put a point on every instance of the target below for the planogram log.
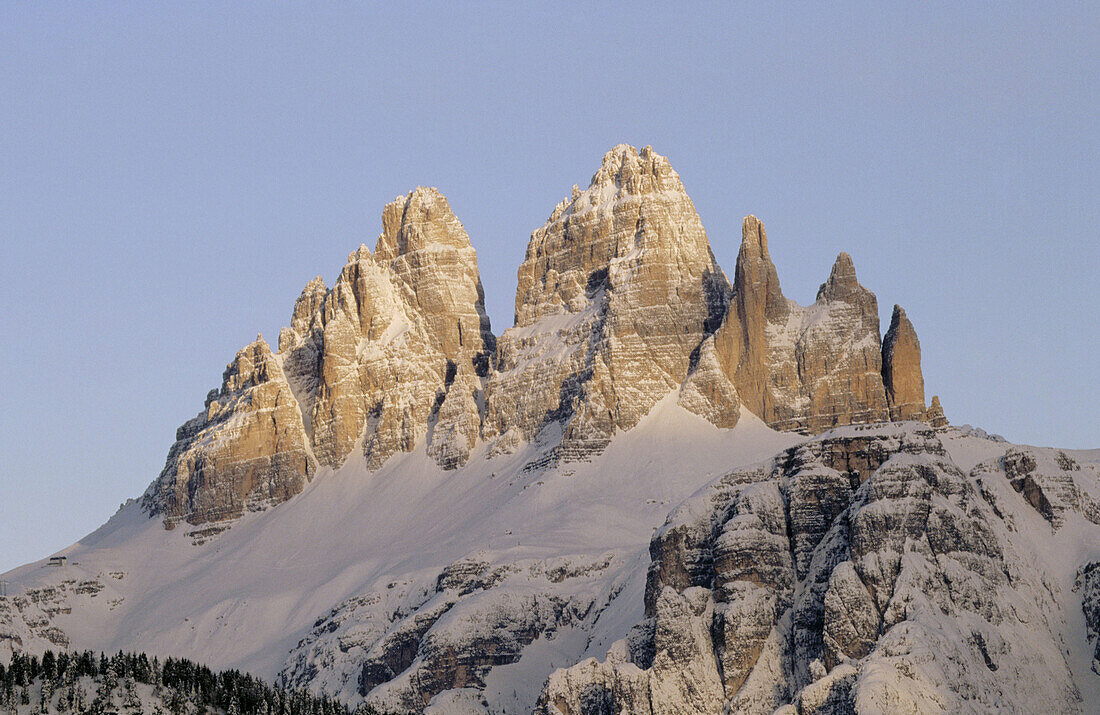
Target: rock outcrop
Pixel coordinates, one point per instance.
(1087, 584)
(901, 371)
(802, 368)
(394, 354)
(1046, 481)
(245, 450)
(757, 301)
(854, 573)
(619, 304)
(403, 643)
(934, 415)
(616, 294)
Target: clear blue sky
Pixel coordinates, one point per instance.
(170, 178)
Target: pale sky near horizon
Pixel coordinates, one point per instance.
(171, 178)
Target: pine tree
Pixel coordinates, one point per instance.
(132, 699)
(49, 665)
(45, 693)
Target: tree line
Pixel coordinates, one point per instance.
(101, 684)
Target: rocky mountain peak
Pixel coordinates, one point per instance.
(394, 353)
(616, 293)
(420, 220)
(634, 172)
(245, 450)
(426, 247)
(755, 278)
(802, 368)
(306, 307)
(253, 365)
(634, 208)
(842, 283)
(901, 369)
(619, 304)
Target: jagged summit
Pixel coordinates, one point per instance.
(429, 251)
(624, 173)
(245, 450)
(604, 223)
(901, 370)
(619, 303)
(616, 292)
(397, 348)
(802, 368)
(756, 277)
(656, 493)
(842, 283)
(635, 171)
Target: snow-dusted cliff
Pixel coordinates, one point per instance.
(595, 513)
(685, 567)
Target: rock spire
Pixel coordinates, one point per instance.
(801, 368)
(619, 304)
(901, 371)
(395, 353)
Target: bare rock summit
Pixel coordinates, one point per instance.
(901, 371)
(618, 290)
(802, 368)
(396, 350)
(619, 304)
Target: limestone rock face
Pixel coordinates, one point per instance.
(860, 572)
(708, 391)
(619, 304)
(376, 360)
(758, 301)
(429, 253)
(394, 353)
(802, 368)
(616, 293)
(1088, 584)
(248, 448)
(901, 371)
(838, 356)
(934, 416)
(1046, 481)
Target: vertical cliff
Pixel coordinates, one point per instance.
(619, 304)
(616, 294)
(395, 353)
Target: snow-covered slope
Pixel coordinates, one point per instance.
(465, 590)
(373, 544)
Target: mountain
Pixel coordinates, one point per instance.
(659, 491)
